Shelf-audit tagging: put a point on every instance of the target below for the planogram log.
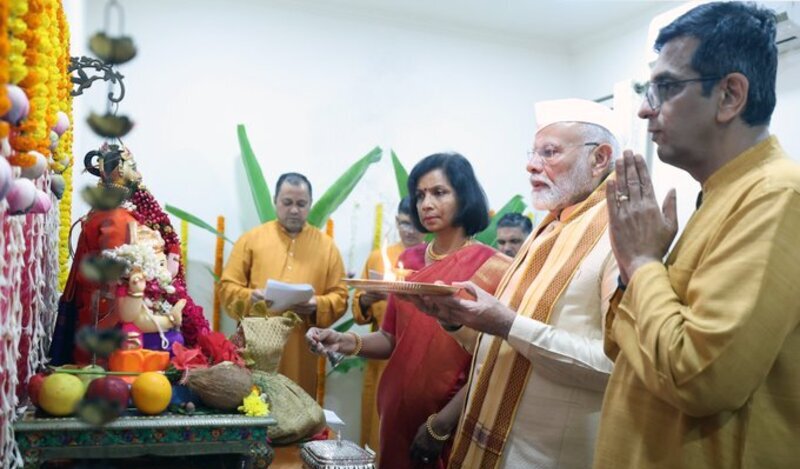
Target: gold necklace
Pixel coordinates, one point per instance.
(433, 257)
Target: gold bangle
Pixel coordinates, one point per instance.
(432, 433)
(359, 344)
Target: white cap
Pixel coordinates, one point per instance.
(578, 110)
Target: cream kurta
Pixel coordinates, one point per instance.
(370, 423)
(267, 252)
(708, 373)
(556, 422)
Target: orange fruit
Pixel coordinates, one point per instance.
(151, 393)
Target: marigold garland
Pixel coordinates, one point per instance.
(64, 151)
(376, 236)
(17, 27)
(5, 49)
(34, 131)
(218, 262)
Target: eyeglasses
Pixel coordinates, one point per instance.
(550, 152)
(658, 92)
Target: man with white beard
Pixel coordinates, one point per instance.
(539, 371)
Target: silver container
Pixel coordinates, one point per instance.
(336, 454)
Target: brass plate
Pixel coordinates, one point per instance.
(402, 288)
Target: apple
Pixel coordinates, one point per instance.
(35, 387)
(110, 388)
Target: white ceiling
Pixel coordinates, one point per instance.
(565, 21)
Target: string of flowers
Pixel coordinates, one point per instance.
(376, 236)
(218, 258)
(33, 131)
(147, 211)
(185, 245)
(5, 49)
(64, 150)
(17, 69)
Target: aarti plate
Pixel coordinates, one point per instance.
(403, 288)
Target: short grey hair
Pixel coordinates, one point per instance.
(596, 133)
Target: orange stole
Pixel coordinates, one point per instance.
(481, 437)
(427, 366)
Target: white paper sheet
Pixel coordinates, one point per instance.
(283, 295)
(331, 418)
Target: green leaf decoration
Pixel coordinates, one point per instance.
(401, 175)
(194, 220)
(211, 271)
(488, 236)
(348, 364)
(345, 326)
(338, 192)
(258, 186)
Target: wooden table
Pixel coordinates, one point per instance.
(41, 439)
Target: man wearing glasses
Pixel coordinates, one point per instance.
(706, 343)
(539, 372)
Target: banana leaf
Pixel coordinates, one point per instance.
(401, 175)
(258, 186)
(345, 325)
(489, 235)
(211, 271)
(338, 192)
(194, 220)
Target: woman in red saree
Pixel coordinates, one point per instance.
(418, 396)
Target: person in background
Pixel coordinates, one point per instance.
(369, 309)
(512, 230)
(290, 250)
(707, 341)
(539, 372)
(421, 391)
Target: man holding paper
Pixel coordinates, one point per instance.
(290, 251)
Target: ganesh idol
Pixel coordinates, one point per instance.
(150, 301)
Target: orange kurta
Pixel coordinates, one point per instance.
(370, 423)
(268, 252)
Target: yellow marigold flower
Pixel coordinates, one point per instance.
(253, 405)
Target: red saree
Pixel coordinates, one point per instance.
(427, 366)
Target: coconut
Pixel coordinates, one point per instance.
(223, 386)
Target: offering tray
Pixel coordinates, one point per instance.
(401, 287)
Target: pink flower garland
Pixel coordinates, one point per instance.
(148, 212)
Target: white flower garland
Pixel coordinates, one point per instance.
(143, 257)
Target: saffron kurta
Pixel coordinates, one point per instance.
(556, 420)
(370, 423)
(708, 366)
(268, 252)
